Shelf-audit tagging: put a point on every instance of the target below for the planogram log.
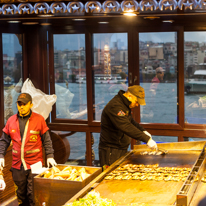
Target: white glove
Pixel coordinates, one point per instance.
(2, 184)
(51, 161)
(148, 134)
(152, 144)
(2, 163)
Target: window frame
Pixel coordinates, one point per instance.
(24, 70)
(193, 29)
(180, 76)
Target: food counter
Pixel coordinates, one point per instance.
(59, 183)
(199, 195)
(181, 170)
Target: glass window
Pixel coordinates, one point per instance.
(158, 76)
(77, 155)
(193, 139)
(12, 72)
(195, 77)
(110, 67)
(70, 76)
(95, 147)
(164, 139)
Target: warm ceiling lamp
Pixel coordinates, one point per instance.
(103, 22)
(14, 22)
(30, 23)
(45, 24)
(78, 19)
(151, 17)
(168, 21)
(45, 15)
(130, 13)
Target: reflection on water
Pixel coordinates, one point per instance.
(159, 108)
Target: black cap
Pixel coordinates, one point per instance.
(25, 98)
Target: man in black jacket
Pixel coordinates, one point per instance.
(118, 126)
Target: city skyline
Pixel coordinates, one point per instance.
(75, 42)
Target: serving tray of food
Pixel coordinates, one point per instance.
(59, 183)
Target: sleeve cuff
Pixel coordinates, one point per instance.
(149, 139)
(50, 156)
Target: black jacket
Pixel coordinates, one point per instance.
(117, 124)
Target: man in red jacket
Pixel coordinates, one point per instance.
(29, 134)
(157, 79)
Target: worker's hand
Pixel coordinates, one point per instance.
(51, 161)
(152, 144)
(2, 163)
(2, 184)
(148, 134)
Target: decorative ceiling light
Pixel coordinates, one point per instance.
(13, 22)
(103, 22)
(75, 7)
(45, 24)
(130, 13)
(151, 17)
(78, 19)
(93, 6)
(45, 15)
(129, 8)
(168, 21)
(111, 6)
(30, 23)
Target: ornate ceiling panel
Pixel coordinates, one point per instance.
(15, 7)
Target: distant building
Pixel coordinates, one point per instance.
(172, 69)
(156, 52)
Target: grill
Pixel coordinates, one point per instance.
(128, 192)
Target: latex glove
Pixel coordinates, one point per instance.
(2, 163)
(2, 184)
(152, 144)
(51, 161)
(148, 134)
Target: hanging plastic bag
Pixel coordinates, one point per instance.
(64, 100)
(42, 103)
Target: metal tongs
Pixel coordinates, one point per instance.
(157, 151)
(161, 151)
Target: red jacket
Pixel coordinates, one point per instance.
(28, 150)
(155, 82)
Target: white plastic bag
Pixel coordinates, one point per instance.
(42, 103)
(64, 100)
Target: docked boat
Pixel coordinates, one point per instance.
(197, 84)
(102, 79)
